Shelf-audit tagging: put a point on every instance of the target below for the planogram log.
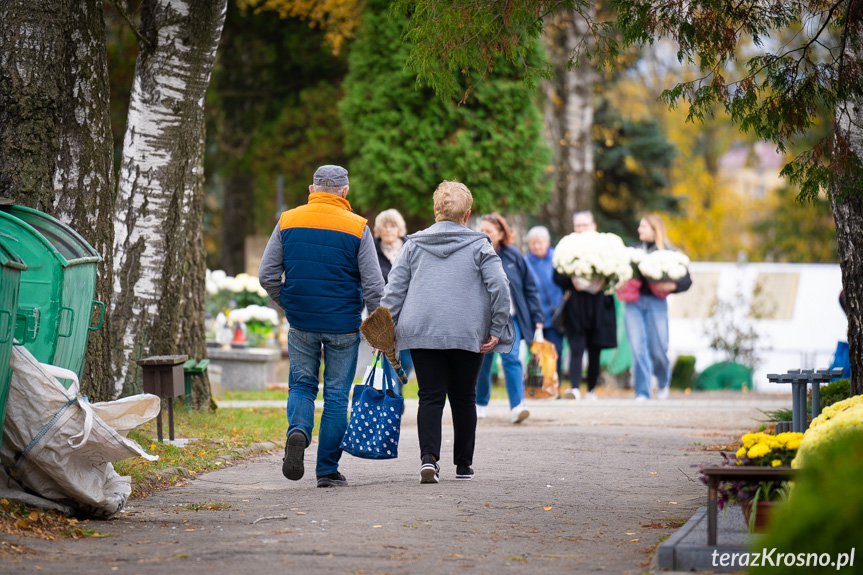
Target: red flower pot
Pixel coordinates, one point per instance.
(657, 293)
(629, 291)
(762, 514)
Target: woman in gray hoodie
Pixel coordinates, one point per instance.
(449, 298)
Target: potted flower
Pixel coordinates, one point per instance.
(596, 261)
(757, 497)
(663, 265)
(258, 321)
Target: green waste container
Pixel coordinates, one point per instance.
(55, 302)
(11, 267)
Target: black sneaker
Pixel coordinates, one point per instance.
(430, 470)
(332, 480)
(292, 464)
(464, 472)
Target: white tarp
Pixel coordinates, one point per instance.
(59, 446)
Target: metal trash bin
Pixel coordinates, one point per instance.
(55, 301)
(11, 267)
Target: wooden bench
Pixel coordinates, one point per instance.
(191, 369)
(717, 474)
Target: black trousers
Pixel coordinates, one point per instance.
(577, 344)
(442, 373)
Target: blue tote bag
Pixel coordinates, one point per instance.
(376, 420)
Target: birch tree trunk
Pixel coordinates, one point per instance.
(568, 121)
(158, 246)
(848, 215)
(32, 89)
(84, 189)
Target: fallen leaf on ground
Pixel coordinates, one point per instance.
(547, 507)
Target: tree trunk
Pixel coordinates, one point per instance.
(84, 176)
(32, 90)
(237, 221)
(158, 248)
(568, 121)
(848, 216)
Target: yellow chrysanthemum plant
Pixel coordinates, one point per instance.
(837, 420)
(764, 450)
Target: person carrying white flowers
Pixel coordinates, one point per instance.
(647, 317)
(591, 322)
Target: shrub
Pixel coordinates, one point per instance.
(683, 372)
(825, 510)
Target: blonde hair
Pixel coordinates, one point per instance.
(660, 236)
(390, 216)
(452, 202)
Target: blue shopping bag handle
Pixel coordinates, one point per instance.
(387, 378)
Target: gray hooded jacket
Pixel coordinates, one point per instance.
(448, 290)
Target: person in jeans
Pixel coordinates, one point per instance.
(647, 317)
(327, 255)
(539, 260)
(527, 316)
(449, 299)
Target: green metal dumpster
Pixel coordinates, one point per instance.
(11, 267)
(55, 302)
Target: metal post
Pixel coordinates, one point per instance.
(816, 398)
(713, 486)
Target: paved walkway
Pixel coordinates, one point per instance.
(576, 488)
(723, 410)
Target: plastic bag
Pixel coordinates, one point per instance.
(541, 379)
(60, 447)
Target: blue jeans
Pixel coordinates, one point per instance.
(407, 365)
(647, 329)
(512, 372)
(340, 362)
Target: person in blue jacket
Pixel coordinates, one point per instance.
(526, 311)
(539, 260)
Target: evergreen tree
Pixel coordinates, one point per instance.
(404, 140)
(633, 158)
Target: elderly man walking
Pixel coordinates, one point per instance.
(327, 255)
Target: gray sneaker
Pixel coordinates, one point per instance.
(332, 480)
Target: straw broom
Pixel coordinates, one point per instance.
(380, 331)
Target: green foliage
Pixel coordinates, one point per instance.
(404, 141)
(825, 509)
(632, 159)
(458, 42)
(683, 372)
(793, 231)
(783, 87)
(271, 110)
(835, 391)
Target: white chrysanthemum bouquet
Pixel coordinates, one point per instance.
(598, 261)
(664, 265)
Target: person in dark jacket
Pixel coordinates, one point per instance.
(526, 311)
(647, 317)
(390, 231)
(591, 322)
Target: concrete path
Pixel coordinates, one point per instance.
(576, 488)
